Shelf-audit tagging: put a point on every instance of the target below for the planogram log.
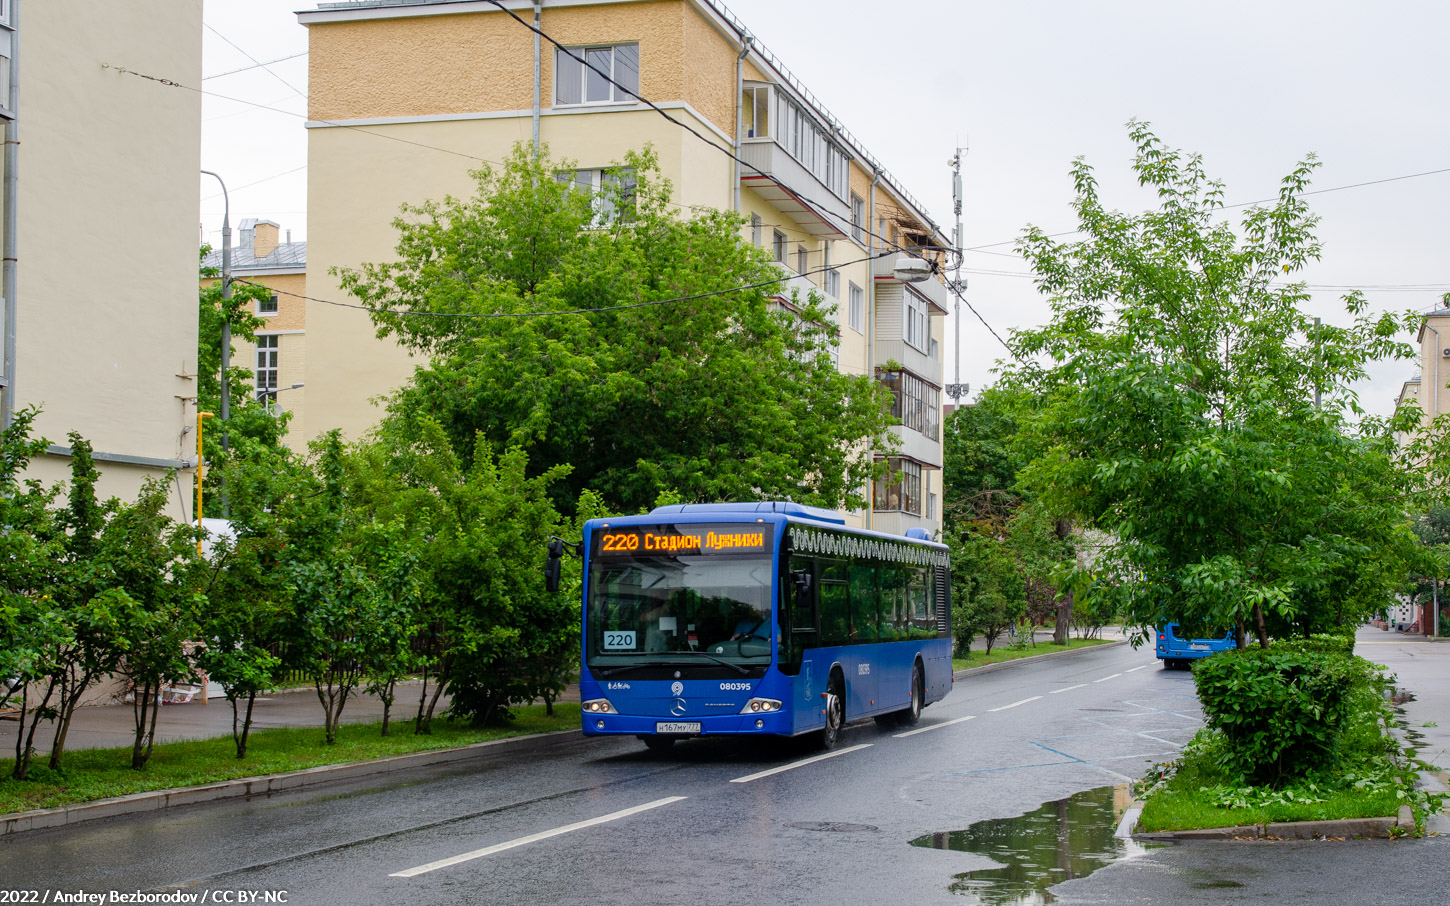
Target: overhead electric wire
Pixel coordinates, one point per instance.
(250, 68)
(254, 60)
(575, 311)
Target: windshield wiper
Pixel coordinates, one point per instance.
(736, 667)
(614, 670)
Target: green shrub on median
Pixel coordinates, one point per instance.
(1283, 710)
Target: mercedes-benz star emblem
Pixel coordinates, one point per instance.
(678, 708)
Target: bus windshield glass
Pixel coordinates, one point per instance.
(677, 594)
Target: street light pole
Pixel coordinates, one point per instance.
(226, 313)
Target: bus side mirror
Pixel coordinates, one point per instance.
(552, 566)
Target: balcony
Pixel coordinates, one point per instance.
(781, 180)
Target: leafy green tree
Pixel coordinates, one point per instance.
(562, 332)
(154, 568)
(490, 634)
(32, 626)
(84, 590)
(250, 608)
(1178, 381)
(987, 589)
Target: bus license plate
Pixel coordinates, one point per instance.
(1198, 647)
(677, 727)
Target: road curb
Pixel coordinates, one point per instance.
(36, 819)
(988, 668)
(1344, 828)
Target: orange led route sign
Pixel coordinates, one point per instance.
(699, 540)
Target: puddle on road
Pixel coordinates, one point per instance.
(1066, 838)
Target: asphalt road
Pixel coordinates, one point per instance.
(569, 820)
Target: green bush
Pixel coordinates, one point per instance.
(1283, 711)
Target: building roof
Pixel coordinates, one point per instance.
(287, 256)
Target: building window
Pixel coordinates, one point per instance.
(267, 306)
(900, 490)
(833, 283)
(858, 218)
(576, 83)
(918, 323)
(266, 365)
(915, 402)
(930, 505)
(755, 230)
(857, 308)
(611, 190)
(755, 111)
(801, 265)
(780, 246)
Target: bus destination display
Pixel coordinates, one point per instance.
(686, 540)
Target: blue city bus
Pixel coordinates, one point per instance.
(1176, 653)
(758, 619)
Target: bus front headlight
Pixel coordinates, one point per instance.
(760, 705)
(598, 706)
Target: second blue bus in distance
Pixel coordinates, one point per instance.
(758, 618)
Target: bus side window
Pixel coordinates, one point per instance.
(863, 603)
(835, 598)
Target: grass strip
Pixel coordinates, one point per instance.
(1002, 653)
(89, 774)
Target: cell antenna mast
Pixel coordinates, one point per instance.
(957, 390)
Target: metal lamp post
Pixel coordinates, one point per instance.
(226, 412)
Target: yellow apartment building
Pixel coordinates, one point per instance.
(104, 176)
(278, 359)
(406, 97)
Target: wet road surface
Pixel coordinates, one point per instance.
(564, 820)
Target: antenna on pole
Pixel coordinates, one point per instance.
(957, 389)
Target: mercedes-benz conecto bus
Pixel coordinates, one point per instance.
(758, 618)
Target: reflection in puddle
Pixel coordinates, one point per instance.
(1068, 838)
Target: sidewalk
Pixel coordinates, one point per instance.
(111, 726)
(1422, 669)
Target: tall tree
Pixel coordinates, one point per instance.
(1192, 410)
(612, 332)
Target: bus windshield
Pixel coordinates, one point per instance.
(647, 606)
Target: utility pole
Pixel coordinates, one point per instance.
(956, 390)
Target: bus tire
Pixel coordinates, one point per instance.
(911, 714)
(835, 708)
(658, 743)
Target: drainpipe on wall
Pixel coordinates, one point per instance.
(1439, 351)
(871, 326)
(538, 71)
(745, 42)
(9, 279)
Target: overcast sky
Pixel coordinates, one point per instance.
(1027, 87)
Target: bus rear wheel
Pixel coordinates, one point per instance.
(911, 714)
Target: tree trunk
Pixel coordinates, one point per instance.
(387, 695)
(143, 705)
(419, 727)
(70, 697)
(1260, 629)
(1064, 620)
(1241, 639)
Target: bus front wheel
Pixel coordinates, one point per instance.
(835, 707)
